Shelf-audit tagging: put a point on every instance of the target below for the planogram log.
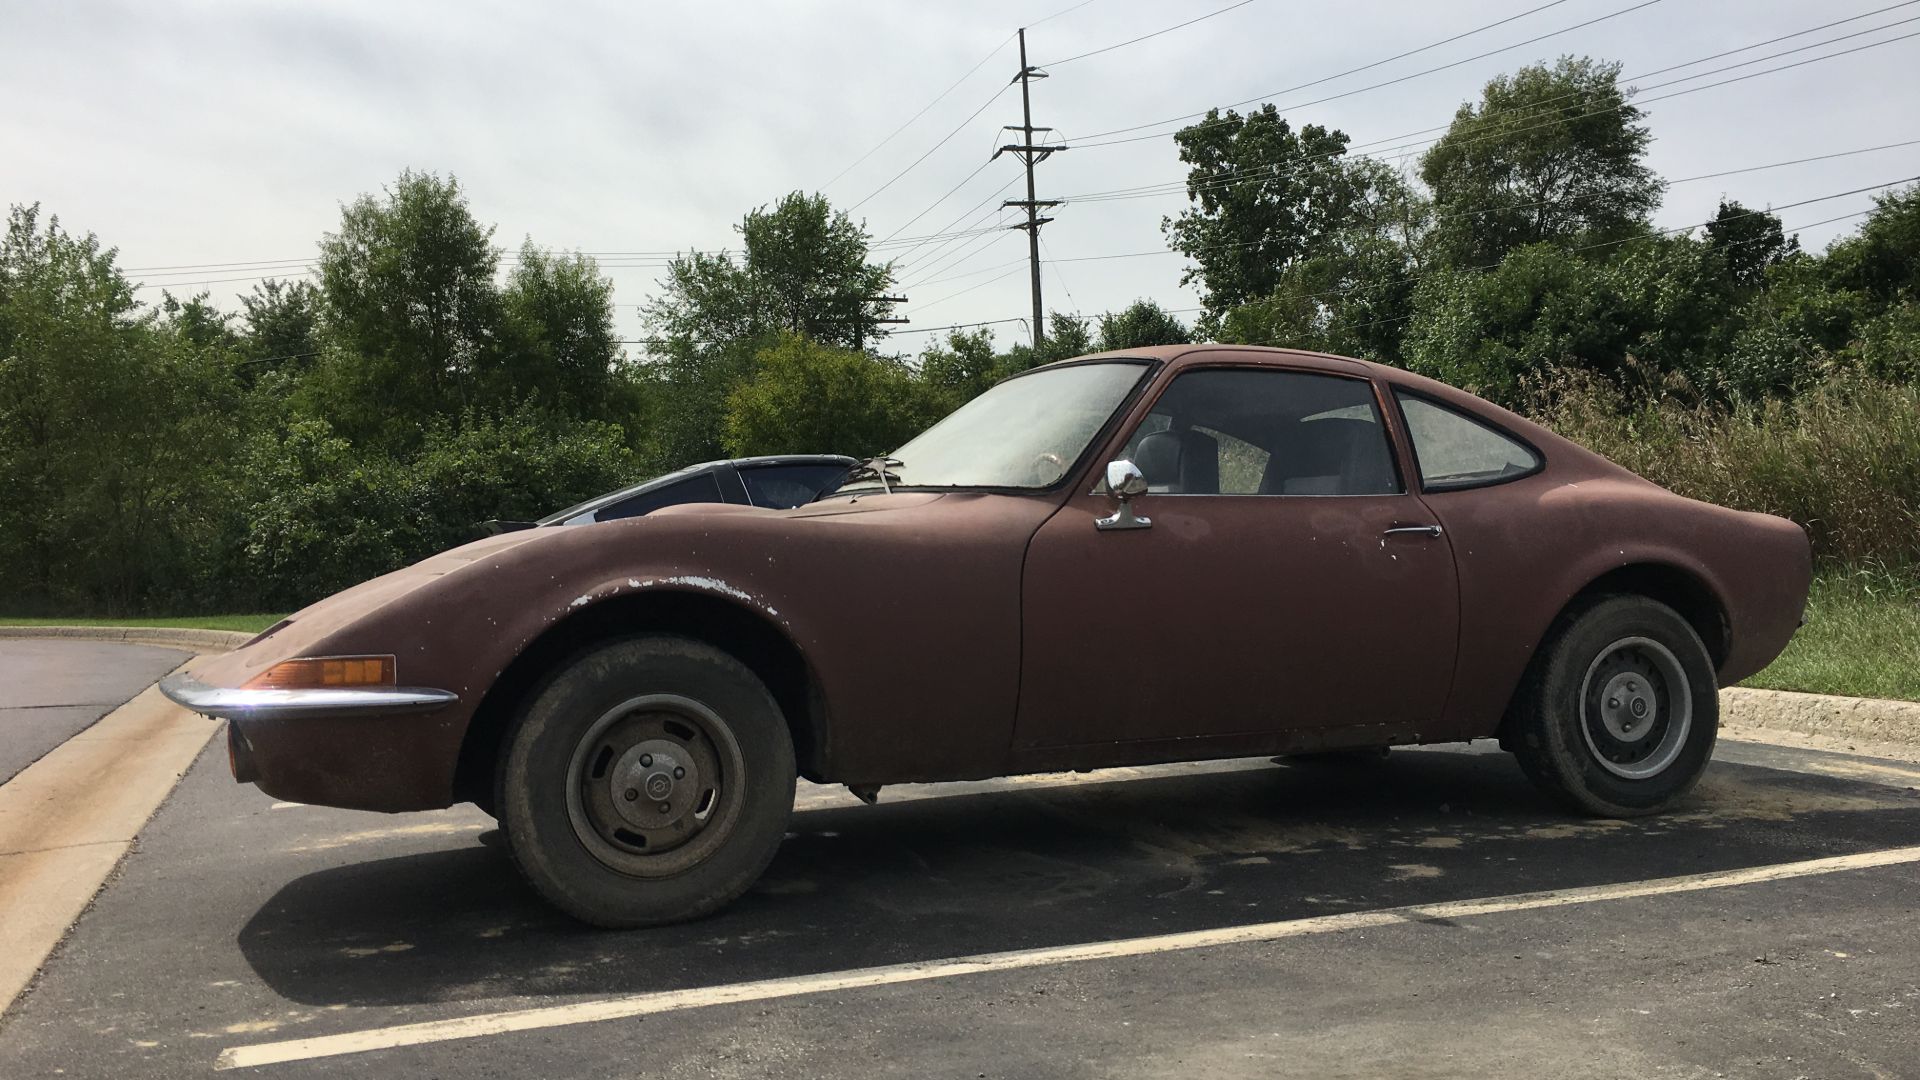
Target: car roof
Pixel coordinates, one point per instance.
(1184, 355)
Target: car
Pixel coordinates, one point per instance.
(779, 481)
(1164, 554)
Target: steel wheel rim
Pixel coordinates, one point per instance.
(1636, 708)
(655, 785)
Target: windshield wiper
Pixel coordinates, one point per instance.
(875, 469)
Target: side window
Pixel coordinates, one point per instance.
(785, 486)
(694, 489)
(1249, 431)
(1456, 451)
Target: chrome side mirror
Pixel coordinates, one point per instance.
(1125, 482)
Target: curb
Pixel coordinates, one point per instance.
(175, 637)
(1822, 715)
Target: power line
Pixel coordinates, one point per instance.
(1050, 18)
(1059, 276)
(1240, 175)
(969, 289)
(973, 273)
(1364, 89)
(1144, 37)
(1442, 215)
(978, 169)
(1643, 75)
(992, 195)
(943, 141)
(938, 98)
(1430, 46)
(957, 258)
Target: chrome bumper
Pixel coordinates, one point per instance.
(229, 703)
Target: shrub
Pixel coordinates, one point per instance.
(807, 398)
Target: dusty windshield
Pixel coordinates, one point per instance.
(1024, 433)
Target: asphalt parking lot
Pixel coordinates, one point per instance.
(51, 690)
(1223, 919)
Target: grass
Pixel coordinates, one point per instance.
(1862, 638)
(251, 624)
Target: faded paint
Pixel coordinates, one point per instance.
(948, 632)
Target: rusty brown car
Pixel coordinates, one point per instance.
(1170, 554)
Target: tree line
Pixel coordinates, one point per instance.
(173, 456)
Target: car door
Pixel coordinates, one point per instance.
(1288, 579)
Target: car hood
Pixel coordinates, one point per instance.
(556, 568)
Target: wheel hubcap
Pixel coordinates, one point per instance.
(1636, 708)
(654, 785)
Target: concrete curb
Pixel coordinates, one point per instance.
(68, 819)
(181, 638)
(1867, 720)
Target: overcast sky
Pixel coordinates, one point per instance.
(205, 133)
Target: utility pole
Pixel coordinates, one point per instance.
(1031, 154)
(860, 327)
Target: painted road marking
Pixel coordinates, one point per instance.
(587, 1012)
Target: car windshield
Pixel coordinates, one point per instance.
(1023, 433)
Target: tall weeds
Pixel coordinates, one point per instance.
(1842, 459)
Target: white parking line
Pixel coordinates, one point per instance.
(587, 1012)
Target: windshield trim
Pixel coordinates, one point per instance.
(1149, 367)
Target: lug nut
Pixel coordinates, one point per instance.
(664, 808)
(646, 760)
(632, 794)
(679, 773)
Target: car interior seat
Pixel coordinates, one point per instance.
(1186, 462)
(1330, 456)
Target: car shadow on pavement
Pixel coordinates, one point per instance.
(1030, 865)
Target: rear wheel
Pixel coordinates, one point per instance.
(1619, 714)
(650, 781)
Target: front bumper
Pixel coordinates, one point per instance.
(230, 703)
(362, 749)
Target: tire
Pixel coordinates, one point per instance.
(1618, 715)
(647, 782)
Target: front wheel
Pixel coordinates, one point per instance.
(1619, 714)
(648, 782)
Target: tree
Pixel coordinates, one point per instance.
(1542, 308)
(281, 321)
(1263, 195)
(1549, 155)
(803, 270)
(1140, 324)
(964, 365)
(1067, 337)
(412, 308)
(806, 397)
(1882, 260)
(1749, 241)
(111, 420)
(1352, 293)
(562, 348)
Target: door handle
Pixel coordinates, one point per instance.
(1410, 530)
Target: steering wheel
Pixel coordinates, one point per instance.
(1047, 467)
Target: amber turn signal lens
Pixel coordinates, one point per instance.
(320, 672)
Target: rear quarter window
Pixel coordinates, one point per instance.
(1456, 451)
